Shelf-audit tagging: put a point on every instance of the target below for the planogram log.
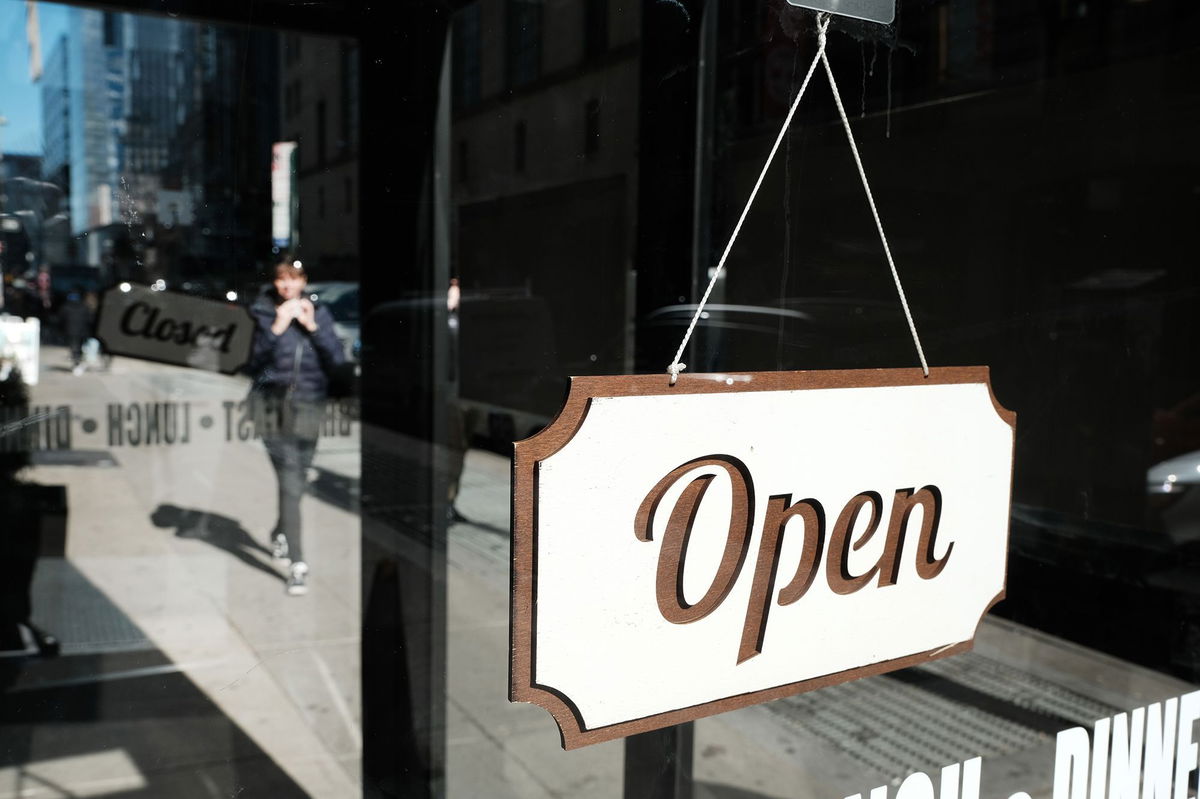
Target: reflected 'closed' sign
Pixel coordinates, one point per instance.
(175, 328)
(682, 551)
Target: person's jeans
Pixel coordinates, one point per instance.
(291, 456)
(76, 345)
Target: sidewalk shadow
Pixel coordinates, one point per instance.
(713, 790)
(212, 528)
(336, 489)
(114, 716)
(453, 517)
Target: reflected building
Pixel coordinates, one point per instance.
(213, 214)
(164, 180)
(544, 196)
(318, 94)
(56, 118)
(108, 100)
(121, 93)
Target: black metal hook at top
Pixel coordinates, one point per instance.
(881, 11)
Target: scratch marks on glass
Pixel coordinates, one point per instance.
(868, 70)
(891, 52)
(130, 214)
(677, 4)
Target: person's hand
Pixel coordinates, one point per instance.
(306, 315)
(285, 312)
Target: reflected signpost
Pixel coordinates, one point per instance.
(3, 182)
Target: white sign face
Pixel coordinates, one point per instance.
(684, 550)
(175, 328)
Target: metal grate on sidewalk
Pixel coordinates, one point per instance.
(85, 621)
(920, 720)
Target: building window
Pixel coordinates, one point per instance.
(519, 147)
(112, 30)
(591, 128)
(595, 27)
(349, 105)
(467, 60)
(524, 39)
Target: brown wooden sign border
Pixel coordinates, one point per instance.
(523, 685)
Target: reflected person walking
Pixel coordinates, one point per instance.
(295, 351)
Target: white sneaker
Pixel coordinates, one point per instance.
(279, 547)
(297, 583)
(78, 370)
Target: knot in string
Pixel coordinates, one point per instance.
(674, 369)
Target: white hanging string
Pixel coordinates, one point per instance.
(822, 34)
(862, 173)
(676, 367)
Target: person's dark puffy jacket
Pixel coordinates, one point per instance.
(297, 362)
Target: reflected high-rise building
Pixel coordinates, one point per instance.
(164, 180)
(545, 197)
(122, 91)
(214, 206)
(109, 97)
(56, 118)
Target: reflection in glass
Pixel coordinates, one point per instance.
(147, 643)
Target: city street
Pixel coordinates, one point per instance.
(187, 671)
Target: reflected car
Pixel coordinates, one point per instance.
(1173, 487)
(795, 333)
(341, 297)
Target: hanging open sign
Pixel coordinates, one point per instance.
(680, 551)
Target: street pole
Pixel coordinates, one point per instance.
(3, 182)
(658, 764)
(3, 202)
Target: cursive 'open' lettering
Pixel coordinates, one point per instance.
(780, 511)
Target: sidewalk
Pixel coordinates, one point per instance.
(166, 557)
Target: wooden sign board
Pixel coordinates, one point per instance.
(679, 551)
(175, 328)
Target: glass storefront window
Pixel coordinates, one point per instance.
(150, 643)
(485, 198)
